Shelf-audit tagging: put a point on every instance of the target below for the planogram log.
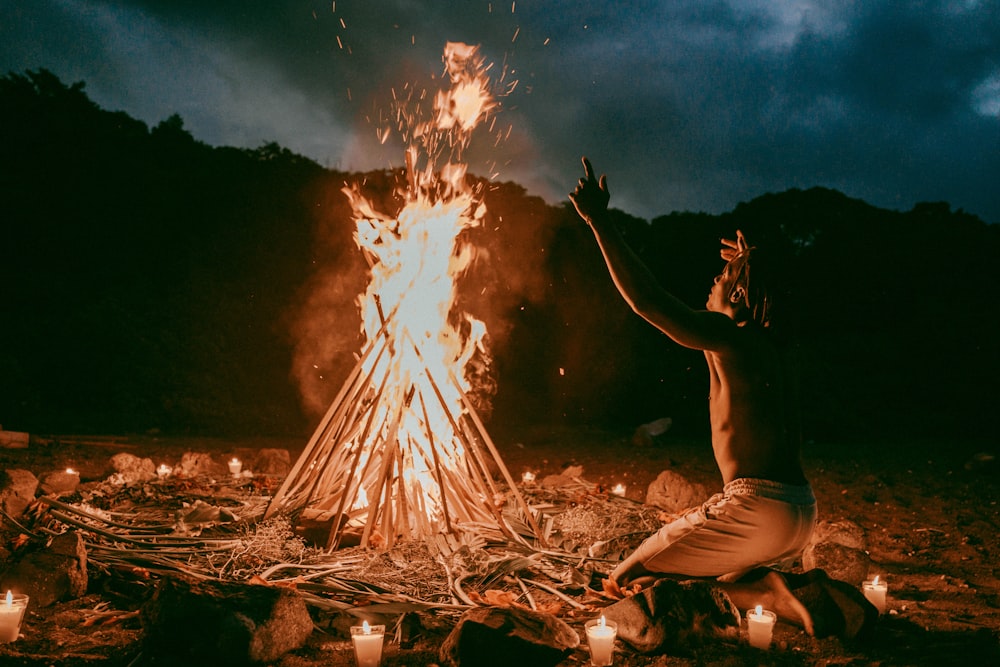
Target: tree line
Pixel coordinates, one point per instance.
(150, 281)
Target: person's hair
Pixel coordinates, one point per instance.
(756, 284)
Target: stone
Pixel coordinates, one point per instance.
(646, 434)
(672, 492)
(271, 462)
(569, 475)
(839, 561)
(14, 439)
(129, 469)
(54, 573)
(200, 513)
(17, 491)
(837, 608)
(492, 636)
(982, 462)
(847, 533)
(675, 617)
(59, 482)
(197, 464)
(222, 623)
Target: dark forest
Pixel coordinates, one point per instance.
(151, 283)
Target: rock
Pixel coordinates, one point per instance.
(59, 482)
(839, 561)
(128, 469)
(983, 462)
(222, 623)
(14, 439)
(673, 492)
(200, 513)
(196, 464)
(646, 434)
(844, 532)
(17, 491)
(271, 462)
(837, 607)
(570, 475)
(492, 636)
(675, 617)
(55, 573)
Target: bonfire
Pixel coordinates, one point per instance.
(401, 453)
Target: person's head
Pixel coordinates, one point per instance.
(736, 294)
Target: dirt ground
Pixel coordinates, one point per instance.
(929, 511)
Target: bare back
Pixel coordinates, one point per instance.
(751, 406)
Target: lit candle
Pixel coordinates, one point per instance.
(367, 641)
(235, 466)
(528, 477)
(164, 470)
(11, 613)
(601, 638)
(619, 490)
(760, 625)
(875, 591)
(70, 471)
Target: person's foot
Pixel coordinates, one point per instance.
(784, 603)
(769, 589)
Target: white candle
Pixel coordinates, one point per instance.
(601, 638)
(760, 626)
(528, 477)
(619, 490)
(164, 470)
(11, 613)
(235, 466)
(367, 641)
(875, 591)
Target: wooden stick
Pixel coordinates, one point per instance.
(349, 388)
(471, 411)
(437, 463)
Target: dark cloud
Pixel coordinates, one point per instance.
(688, 105)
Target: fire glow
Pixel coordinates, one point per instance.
(415, 259)
(404, 455)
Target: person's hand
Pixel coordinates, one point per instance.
(732, 249)
(590, 196)
(611, 589)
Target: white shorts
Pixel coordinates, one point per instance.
(753, 522)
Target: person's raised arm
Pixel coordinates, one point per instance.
(694, 329)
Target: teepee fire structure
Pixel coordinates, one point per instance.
(402, 453)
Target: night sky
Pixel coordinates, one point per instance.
(687, 105)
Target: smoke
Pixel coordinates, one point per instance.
(324, 324)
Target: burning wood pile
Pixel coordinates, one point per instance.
(401, 453)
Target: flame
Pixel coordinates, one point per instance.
(416, 256)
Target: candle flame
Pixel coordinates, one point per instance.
(10, 598)
(365, 628)
(70, 471)
(603, 623)
(235, 460)
(875, 581)
(759, 610)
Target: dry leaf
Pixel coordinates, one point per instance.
(376, 539)
(554, 607)
(611, 589)
(502, 598)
